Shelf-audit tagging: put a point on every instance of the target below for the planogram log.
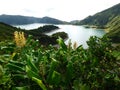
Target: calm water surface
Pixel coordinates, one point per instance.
(77, 34)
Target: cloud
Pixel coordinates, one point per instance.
(62, 9)
(28, 11)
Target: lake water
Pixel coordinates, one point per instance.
(78, 34)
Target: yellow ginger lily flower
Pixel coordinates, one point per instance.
(19, 39)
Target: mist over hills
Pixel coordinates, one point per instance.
(19, 20)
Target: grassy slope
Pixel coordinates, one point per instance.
(102, 18)
(6, 31)
(114, 29)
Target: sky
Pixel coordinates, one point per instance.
(66, 10)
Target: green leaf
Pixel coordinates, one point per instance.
(8, 49)
(80, 86)
(69, 72)
(62, 44)
(52, 68)
(76, 85)
(84, 87)
(56, 78)
(20, 64)
(1, 71)
(2, 61)
(14, 56)
(31, 73)
(15, 67)
(20, 76)
(40, 83)
(31, 65)
(20, 88)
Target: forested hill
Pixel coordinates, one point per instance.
(108, 19)
(7, 33)
(102, 18)
(18, 19)
(114, 29)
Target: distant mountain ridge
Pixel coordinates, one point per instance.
(18, 20)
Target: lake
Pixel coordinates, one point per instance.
(78, 34)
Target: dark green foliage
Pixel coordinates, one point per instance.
(60, 34)
(34, 67)
(6, 31)
(114, 30)
(45, 28)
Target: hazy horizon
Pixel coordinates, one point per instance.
(65, 10)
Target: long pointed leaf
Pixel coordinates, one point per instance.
(15, 67)
(40, 83)
(31, 64)
(31, 73)
(52, 68)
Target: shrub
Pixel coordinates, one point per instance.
(65, 68)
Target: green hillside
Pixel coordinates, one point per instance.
(102, 18)
(108, 19)
(114, 29)
(7, 33)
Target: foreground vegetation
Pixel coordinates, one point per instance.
(26, 65)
